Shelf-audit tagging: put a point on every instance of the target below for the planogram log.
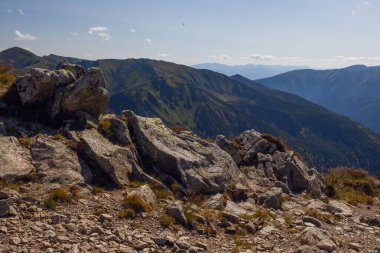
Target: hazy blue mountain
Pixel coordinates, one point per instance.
(250, 71)
(211, 103)
(353, 91)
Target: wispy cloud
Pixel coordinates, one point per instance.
(149, 41)
(359, 6)
(21, 12)
(132, 30)
(220, 57)
(9, 10)
(24, 36)
(163, 55)
(296, 59)
(73, 33)
(101, 31)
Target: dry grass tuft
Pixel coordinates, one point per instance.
(352, 185)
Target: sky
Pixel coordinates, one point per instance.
(320, 33)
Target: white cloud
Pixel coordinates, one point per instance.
(262, 57)
(74, 33)
(21, 12)
(133, 30)
(24, 36)
(339, 59)
(359, 6)
(149, 41)
(220, 57)
(101, 31)
(163, 55)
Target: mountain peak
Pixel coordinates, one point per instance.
(357, 67)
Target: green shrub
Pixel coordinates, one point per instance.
(25, 140)
(166, 221)
(61, 195)
(58, 136)
(135, 203)
(50, 204)
(106, 127)
(126, 213)
(97, 189)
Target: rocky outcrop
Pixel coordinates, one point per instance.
(65, 91)
(55, 162)
(41, 84)
(88, 94)
(267, 163)
(198, 165)
(15, 160)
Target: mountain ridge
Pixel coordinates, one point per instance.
(211, 103)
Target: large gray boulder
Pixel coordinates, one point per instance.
(119, 163)
(318, 237)
(15, 160)
(41, 84)
(271, 198)
(55, 162)
(88, 94)
(198, 165)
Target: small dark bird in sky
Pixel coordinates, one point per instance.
(183, 24)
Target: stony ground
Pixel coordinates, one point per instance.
(90, 223)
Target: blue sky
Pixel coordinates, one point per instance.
(320, 33)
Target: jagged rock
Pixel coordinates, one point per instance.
(15, 160)
(271, 198)
(88, 94)
(175, 210)
(83, 120)
(240, 193)
(8, 193)
(5, 209)
(312, 220)
(145, 193)
(55, 162)
(233, 208)
(41, 84)
(283, 186)
(271, 162)
(337, 206)
(76, 69)
(215, 202)
(229, 147)
(318, 237)
(197, 164)
(306, 249)
(119, 163)
(118, 129)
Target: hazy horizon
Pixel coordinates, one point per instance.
(321, 34)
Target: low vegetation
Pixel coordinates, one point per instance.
(352, 185)
(7, 77)
(136, 203)
(166, 221)
(25, 140)
(97, 189)
(106, 127)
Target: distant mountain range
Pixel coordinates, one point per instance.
(210, 103)
(250, 71)
(352, 91)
